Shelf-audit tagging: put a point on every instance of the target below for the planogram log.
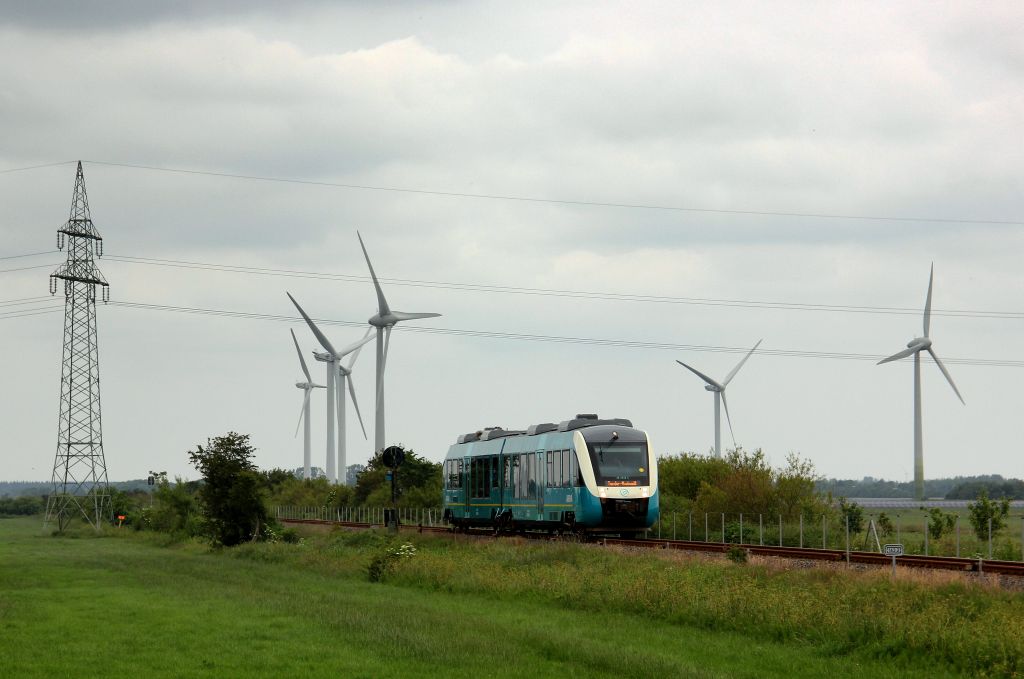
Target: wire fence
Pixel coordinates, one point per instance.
(914, 530)
(374, 516)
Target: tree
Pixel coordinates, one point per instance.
(984, 510)
(940, 523)
(419, 483)
(853, 513)
(230, 493)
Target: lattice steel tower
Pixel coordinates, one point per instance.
(79, 469)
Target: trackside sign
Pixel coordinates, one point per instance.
(893, 550)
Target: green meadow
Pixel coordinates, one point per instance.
(138, 604)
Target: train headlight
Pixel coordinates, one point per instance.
(603, 492)
(643, 491)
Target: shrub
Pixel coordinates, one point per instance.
(385, 560)
(985, 510)
(736, 554)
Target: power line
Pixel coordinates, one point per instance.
(21, 313)
(574, 294)
(29, 254)
(635, 344)
(35, 167)
(27, 268)
(554, 201)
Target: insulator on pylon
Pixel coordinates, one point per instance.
(60, 240)
(53, 285)
(99, 248)
(106, 294)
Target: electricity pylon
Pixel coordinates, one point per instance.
(79, 469)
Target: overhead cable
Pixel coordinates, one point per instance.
(554, 201)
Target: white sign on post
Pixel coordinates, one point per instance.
(893, 550)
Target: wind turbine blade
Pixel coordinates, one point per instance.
(729, 420)
(383, 361)
(928, 302)
(339, 393)
(407, 316)
(320, 337)
(355, 345)
(728, 378)
(352, 393)
(895, 357)
(355, 354)
(387, 345)
(382, 304)
(305, 370)
(946, 373)
(700, 375)
(302, 412)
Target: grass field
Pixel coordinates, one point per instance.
(134, 605)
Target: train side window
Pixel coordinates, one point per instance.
(566, 476)
(550, 469)
(555, 469)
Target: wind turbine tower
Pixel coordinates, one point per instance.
(384, 320)
(79, 468)
(718, 389)
(307, 387)
(332, 358)
(915, 347)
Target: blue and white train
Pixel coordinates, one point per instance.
(582, 475)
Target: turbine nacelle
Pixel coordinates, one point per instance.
(308, 385)
(322, 356)
(919, 343)
(713, 387)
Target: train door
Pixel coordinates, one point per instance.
(541, 476)
(468, 480)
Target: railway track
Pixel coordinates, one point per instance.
(991, 566)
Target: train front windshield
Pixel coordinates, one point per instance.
(620, 464)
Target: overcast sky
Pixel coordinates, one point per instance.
(907, 117)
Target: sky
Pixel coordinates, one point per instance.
(637, 159)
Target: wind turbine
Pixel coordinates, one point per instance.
(308, 386)
(333, 360)
(383, 320)
(915, 347)
(719, 390)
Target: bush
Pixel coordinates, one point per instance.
(385, 560)
(985, 510)
(736, 554)
(231, 491)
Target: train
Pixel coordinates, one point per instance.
(582, 475)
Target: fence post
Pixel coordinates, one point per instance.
(926, 536)
(673, 525)
(847, 539)
(801, 530)
(691, 526)
(760, 529)
(958, 536)
(898, 528)
(824, 533)
(705, 527)
(780, 530)
(990, 537)
(741, 528)
(723, 528)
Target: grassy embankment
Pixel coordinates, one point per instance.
(134, 606)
